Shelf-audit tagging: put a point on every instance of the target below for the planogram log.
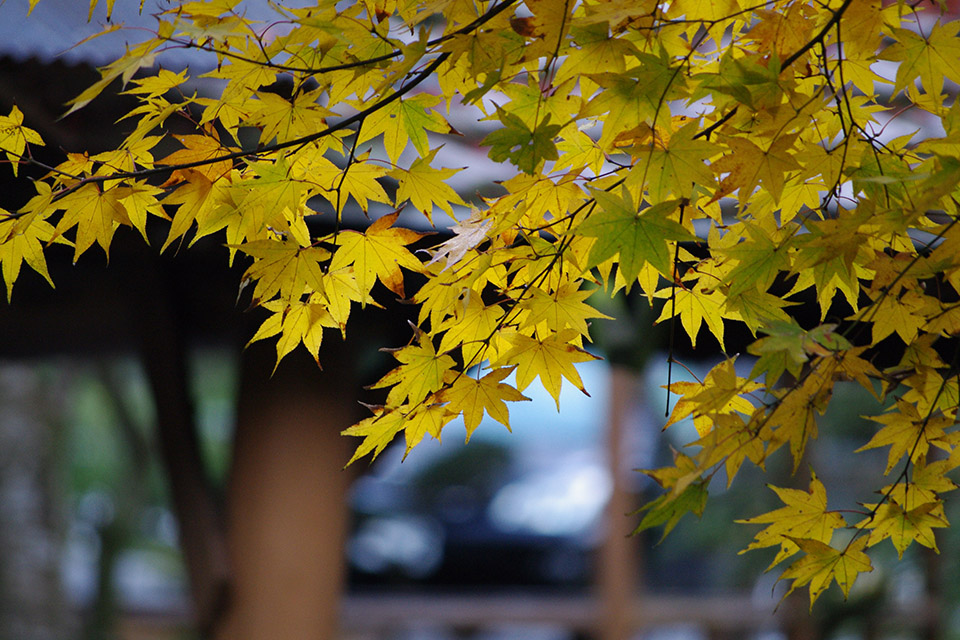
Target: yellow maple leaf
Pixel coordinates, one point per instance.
(931, 57)
(426, 418)
(14, 137)
(473, 326)
(565, 308)
(22, 243)
(904, 526)
(907, 432)
(804, 516)
(377, 431)
(823, 564)
(425, 188)
(551, 359)
(421, 373)
(202, 150)
(377, 254)
(696, 306)
(96, 213)
(472, 397)
(721, 392)
(282, 120)
(297, 322)
(283, 267)
(749, 165)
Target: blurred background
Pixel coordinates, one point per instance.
(515, 535)
(501, 538)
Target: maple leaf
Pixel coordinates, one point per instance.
(424, 186)
(687, 493)
(805, 516)
(931, 57)
(927, 481)
(124, 68)
(729, 441)
(421, 372)
(139, 202)
(406, 121)
(297, 322)
(283, 267)
(377, 432)
(550, 25)
(199, 149)
(472, 326)
(525, 147)
(788, 347)
(466, 236)
(560, 310)
(823, 564)
(153, 86)
(548, 359)
(359, 181)
(784, 31)
(695, 307)
(597, 50)
(668, 509)
(793, 419)
(902, 316)
(637, 237)
(904, 526)
(377, 254)
(429, 418)
(282, 119)
(748, 165)
(721, 392)
(674, 168)
(907, 432)
(633, 97)
(22, 242)
(14, 137)
(96, 213)
(472, 397)
(197, 202)
(340, 290)
(759, 260)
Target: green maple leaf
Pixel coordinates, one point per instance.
(669, 508)
(526, 148)
(759, 258)
(638, 237)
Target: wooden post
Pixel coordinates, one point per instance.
(618, 565)
(287, 508)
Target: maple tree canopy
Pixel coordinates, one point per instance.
(707, 153)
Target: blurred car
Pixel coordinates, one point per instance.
(507, 509)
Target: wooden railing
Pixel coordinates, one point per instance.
(374, 616)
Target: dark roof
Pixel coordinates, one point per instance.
(54, 26)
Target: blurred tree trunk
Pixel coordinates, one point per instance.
(33, 605)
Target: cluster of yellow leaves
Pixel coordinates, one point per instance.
(726, 158)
